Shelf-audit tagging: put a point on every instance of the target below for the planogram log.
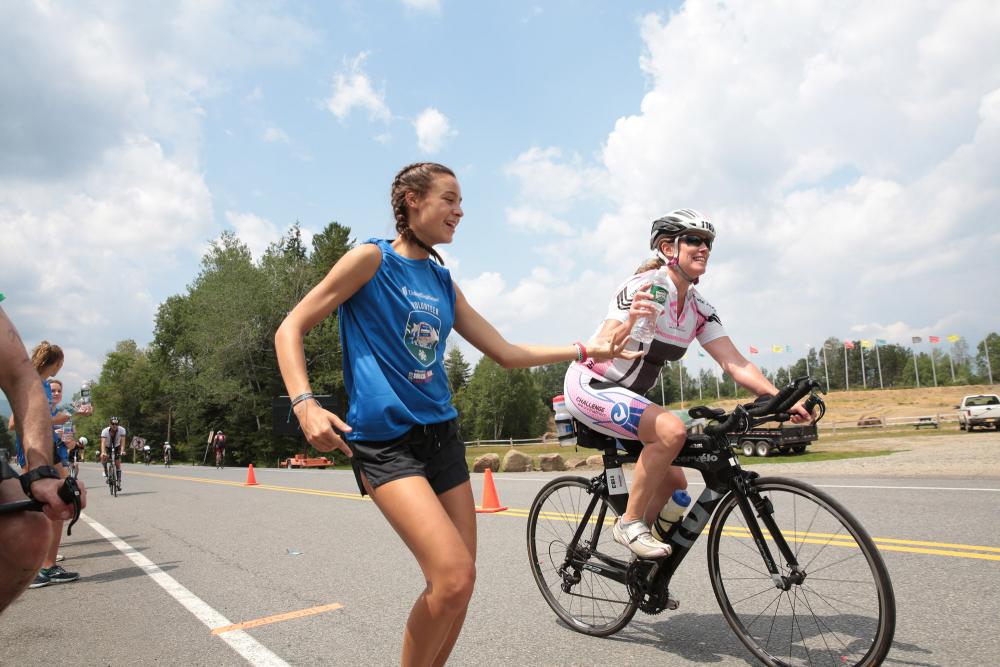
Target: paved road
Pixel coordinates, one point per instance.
(303, 540)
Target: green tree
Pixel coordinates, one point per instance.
(988, 357)
(457, 368)
(501, 403)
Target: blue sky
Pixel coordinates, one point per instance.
(847, 152)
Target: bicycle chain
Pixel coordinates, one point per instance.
(649, 600)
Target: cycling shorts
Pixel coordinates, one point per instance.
(603, 405)
(435, 452)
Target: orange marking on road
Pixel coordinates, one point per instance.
(312, 611)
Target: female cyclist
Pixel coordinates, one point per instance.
(396, 309)
(608, 396)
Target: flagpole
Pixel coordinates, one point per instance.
(916, 371)
(864, 380)
(718, 392)
(807, 360)
(826, 369)
(847, 381)
(699, 386)
(680, 365)
(663, 397)
(735, 390)
(933, 369)
(951, 362)
(878, 360)
(986, 349)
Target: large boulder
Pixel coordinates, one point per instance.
(515, 461)
(491, 461)
(550, 462)
(573, 464)
(596, 460)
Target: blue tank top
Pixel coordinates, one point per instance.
(393, 332)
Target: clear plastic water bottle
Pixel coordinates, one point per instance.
(645, 327)
(85, 393)
(671, 513)
(564, 422)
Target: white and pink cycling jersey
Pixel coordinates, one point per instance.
(608, 395)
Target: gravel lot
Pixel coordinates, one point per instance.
(975, 455)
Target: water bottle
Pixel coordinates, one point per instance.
(85, 394)
(564, 422)
(645, 327)
(671, 513)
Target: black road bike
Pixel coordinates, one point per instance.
(797, 577)
(112, 473)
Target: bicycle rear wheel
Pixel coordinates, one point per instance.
(112, 479)
(583, 582)
(842, 612)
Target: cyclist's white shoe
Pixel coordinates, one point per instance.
(636, 536)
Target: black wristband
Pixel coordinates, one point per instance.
(35, 474)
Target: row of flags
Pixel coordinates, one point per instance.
(866, 344)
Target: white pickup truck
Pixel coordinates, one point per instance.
(982, 410)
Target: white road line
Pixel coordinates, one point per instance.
(252, 651)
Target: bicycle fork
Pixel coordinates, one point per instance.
(765, 511)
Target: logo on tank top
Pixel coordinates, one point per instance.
(421, 336)
(620, 413)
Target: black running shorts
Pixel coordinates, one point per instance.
(434, 451)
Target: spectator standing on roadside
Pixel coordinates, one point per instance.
(26, 536)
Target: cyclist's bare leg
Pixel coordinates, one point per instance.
(663, 435)
(55, 533)
(24, 537)
(441, 547)
(674, 480)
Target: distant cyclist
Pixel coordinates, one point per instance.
(113, 441)
(76, 454)
(166, 454)
(147, 454)
(220, 448)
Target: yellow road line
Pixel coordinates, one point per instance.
(312, 611)
(884, 543)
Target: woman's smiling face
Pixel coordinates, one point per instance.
(435, 216)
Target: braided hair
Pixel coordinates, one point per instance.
(45, 354)
(415, 178)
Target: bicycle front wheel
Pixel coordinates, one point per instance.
(583, 579)
(838, 609)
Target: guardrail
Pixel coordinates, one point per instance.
(888, 422)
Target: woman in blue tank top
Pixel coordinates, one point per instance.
(396, 308)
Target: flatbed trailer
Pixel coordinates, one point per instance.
(783, 439)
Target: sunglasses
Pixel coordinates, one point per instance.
(696, 241)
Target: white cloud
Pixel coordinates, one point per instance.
(433, 130)
(423, 5)
(847, 154)
(353, 89)
(103, 203)
(532, 219)
(275, 135)
(253, 230)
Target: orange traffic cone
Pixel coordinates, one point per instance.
(491, 503)
(251, 479)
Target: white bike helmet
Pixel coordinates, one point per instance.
(680, 221)
(83, 441)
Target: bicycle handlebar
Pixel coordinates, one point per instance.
(775, 407)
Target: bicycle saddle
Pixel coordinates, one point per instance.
(705, 412)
